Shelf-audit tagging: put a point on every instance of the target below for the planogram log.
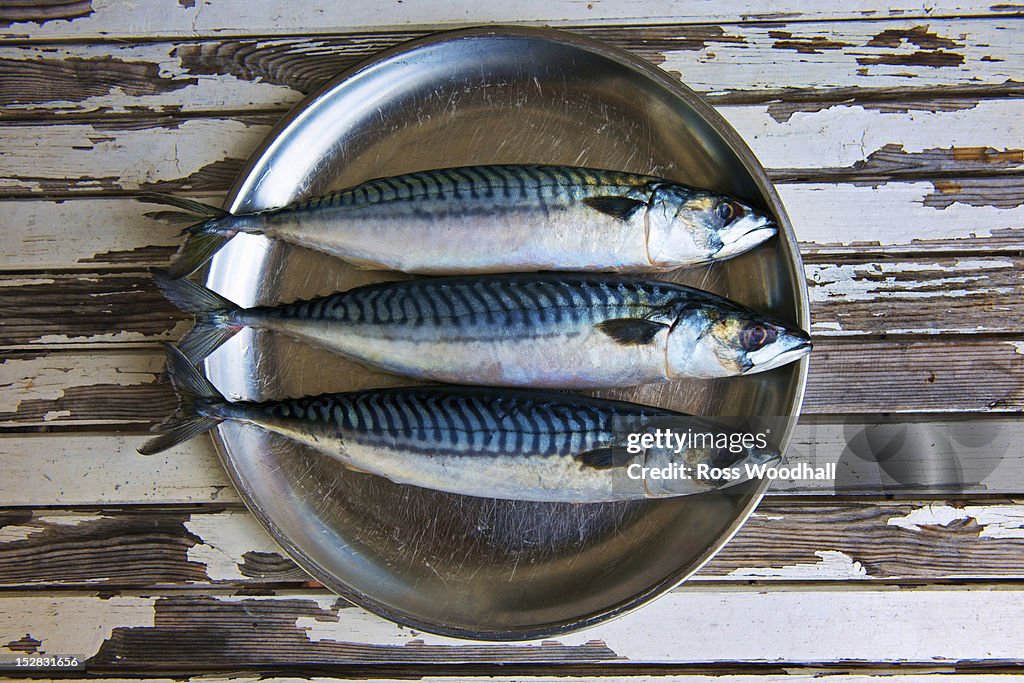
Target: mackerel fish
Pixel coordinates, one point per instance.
(541, 330)
(488, 219)
(519, 445)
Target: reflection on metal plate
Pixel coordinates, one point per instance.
(451, 564)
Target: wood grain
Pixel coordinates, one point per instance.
(869, 541)
(601, 674)
(871, 143)
(123, 19)
(815, 61)
(170, 633)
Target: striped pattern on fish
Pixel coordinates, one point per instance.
(500, 218)
(525, 330)
(522, 445)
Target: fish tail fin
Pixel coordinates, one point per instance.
(205, 237)
(213, 313)
(192, 389)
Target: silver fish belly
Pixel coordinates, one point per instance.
(429, 222)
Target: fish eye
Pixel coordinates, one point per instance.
(722, 457)
(729, 211)
(754, 336)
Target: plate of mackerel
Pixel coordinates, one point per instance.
(471, 566)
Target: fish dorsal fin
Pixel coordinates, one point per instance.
(622, 208)
(604, 458)
(631, 331)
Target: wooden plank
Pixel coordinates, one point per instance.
(918, 455)
(123, 19)
(105, 469)
(816, 60)
(125, 633)
(946, 374)
(783, 541)
(930, 296)
(849, 298)
(943, 215)
(791, 675)
(868, 141)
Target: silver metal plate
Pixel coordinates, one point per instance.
(456, 565)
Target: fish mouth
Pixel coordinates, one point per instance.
(800, 347)
(745, 234)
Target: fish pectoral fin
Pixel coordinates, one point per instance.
(604, 458)
(622, 208)
(631, 331)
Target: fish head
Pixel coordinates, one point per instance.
(686, 226)
(713, 457)
(721, 339)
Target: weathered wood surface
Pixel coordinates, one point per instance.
(817, 60)
(894, 135)
(934, 217)
(793, 674)
(871, 141)
(912, 457)
(874, 541)
(123, 19)
(174, 632)
(852, 297)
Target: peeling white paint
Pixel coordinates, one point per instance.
(39, 228)
(238, 17)
(841, 135)
(211, 91)
(832, 565)
(839, 213)
(871, 281)
(1018, 346)
(176, 332)
(47, 377)
(51, 415)
(996, 521)
(715, 65)
(225, 541)
(26, 281)
(130, 158)
(13, 534)
(71, 625)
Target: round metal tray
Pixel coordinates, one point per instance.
(456, 565)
